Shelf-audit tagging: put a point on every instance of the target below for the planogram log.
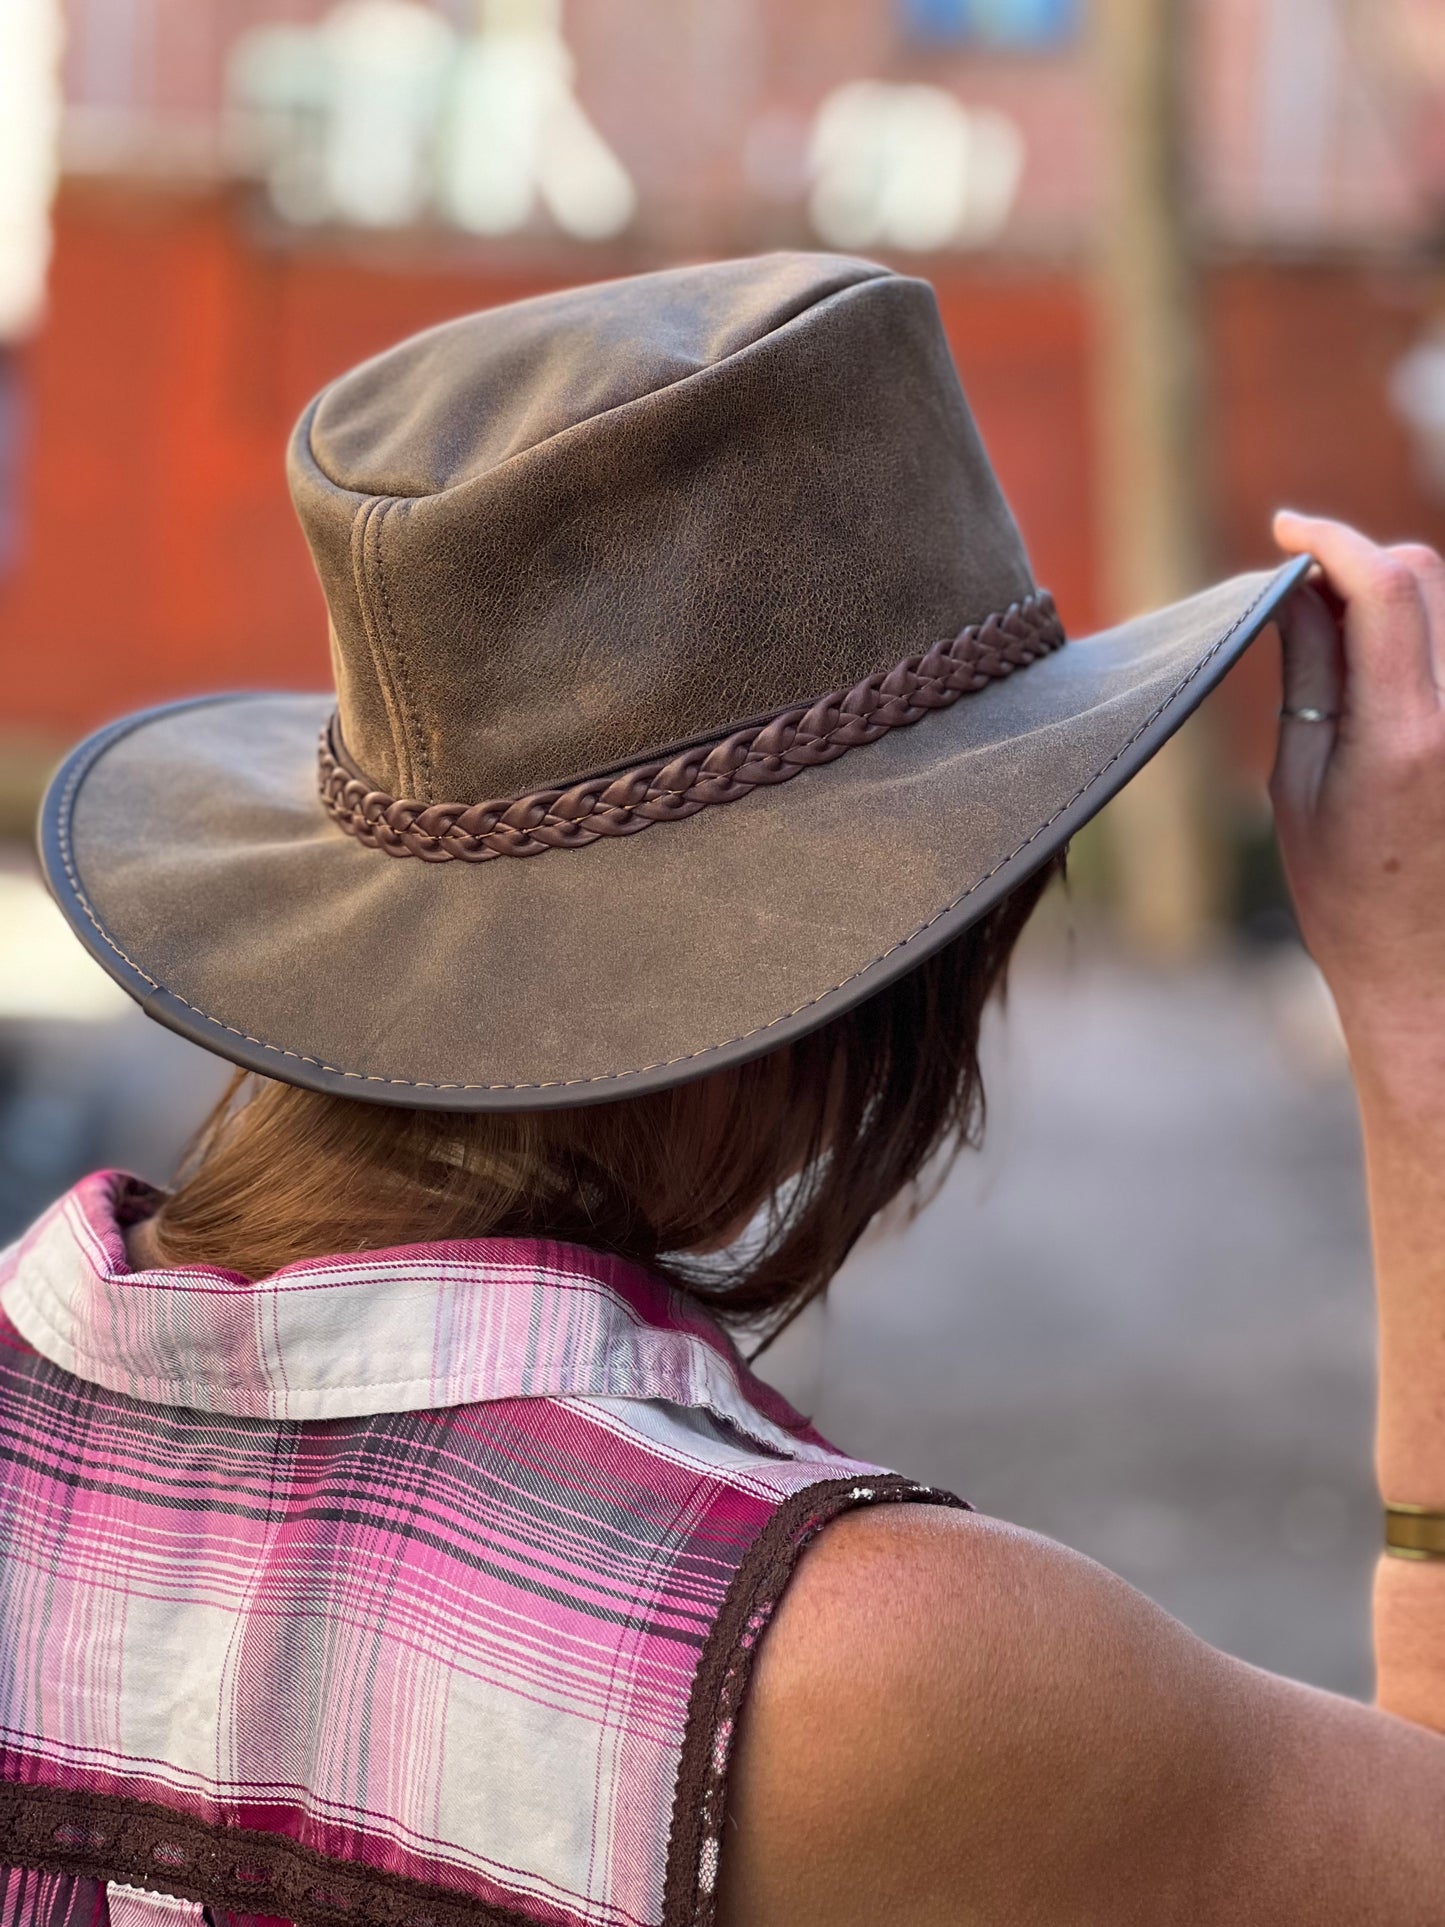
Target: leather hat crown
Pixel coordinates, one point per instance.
(589, 529)
(596, 563)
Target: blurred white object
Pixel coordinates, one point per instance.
(911, 167)
(1417, 392)
(44, 973)
(279, 81)
(519, 135)
(30, 35)
(380, 114)
(390, 63)
(349, 110)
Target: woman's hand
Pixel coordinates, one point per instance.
(1360, 802)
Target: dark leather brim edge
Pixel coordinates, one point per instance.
(168, 1009)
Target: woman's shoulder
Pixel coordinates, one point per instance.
(931, 1687)
(954, 1720)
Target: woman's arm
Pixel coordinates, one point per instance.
(1361, 815)
(954, 1722)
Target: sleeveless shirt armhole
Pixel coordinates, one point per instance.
(700, 1801)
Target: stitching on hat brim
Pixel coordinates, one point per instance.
(63, 816)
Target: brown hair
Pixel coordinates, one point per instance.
(818, 1136)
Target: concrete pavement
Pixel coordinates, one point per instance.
(1140, 1320)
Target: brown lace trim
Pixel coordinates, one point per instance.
(662, 791)
(699, 1807)
(96, 1836)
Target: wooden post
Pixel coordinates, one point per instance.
(1148, 374)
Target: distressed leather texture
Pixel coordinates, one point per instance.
(559, 540)
(725, 770)
(565, 534)
(205, 856)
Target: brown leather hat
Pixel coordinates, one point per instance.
(691, 684)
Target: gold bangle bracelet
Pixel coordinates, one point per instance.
(1414, 1532)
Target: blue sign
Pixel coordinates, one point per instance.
(999, 23)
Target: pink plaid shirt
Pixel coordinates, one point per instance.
(415, 1587)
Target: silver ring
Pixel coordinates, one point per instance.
(1311, 715)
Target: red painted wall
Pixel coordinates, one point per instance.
(1302, 356)
(159, 554)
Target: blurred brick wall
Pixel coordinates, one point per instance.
(159, 554)
(1301, 359)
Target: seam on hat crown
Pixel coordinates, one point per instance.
(338, 526)
(378, 631)
(411, 735)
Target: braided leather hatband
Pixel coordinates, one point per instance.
(772, 751)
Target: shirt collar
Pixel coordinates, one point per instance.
(420, 1326)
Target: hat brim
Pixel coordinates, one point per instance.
(188, 850)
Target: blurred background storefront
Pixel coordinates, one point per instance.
(1188, 257)
(255, 193)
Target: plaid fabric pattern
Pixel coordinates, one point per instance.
(416, 1586)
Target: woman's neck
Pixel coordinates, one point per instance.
(140, 1248)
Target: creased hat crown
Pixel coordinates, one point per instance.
(563, 534)
(714, 555)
